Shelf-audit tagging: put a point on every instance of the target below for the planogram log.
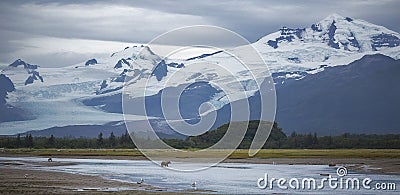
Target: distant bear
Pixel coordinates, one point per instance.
(165, 163)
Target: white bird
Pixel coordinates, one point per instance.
(26, 176)
(141, 181)
(194, 184)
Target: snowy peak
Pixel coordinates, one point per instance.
(148, 54)
(91, 62)
(353, 34)
(338, 32)
(122, 63)
(286, 35)
(335, 40)
(32, 71)
(131, 65)
(17, 63)
(20, 62)
(134, 57)
(35, 76)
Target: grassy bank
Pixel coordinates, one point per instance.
(321, 153)
(73, 152)
(238, 154)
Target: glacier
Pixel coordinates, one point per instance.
(71, 95)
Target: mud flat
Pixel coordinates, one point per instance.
(19, 177)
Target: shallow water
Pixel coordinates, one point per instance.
(224, 178)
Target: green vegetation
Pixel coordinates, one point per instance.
(123, 141)
(320, 153)
(277, 140)
(73, 152)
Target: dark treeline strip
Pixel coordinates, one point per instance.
(277, 140)
(112, 141)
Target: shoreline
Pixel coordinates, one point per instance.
(27, 180)
(363, 165)
(390, 166)
(27, 177)
(23, 177)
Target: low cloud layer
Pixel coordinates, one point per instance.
(56, 33)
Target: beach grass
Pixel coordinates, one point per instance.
(320, 153)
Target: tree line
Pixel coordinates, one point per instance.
(276, 140)
(279, 140)
(102, 141)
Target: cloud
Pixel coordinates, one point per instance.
(97, 21)
(58, 52)
(59, 24)
(30, 31)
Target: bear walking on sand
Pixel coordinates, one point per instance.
(165, 163)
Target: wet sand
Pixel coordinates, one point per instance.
(365, 165)
(20, 177)
(23, 177)
(27, 181)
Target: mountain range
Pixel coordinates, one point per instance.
(337, 75)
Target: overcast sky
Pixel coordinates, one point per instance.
(57, 33)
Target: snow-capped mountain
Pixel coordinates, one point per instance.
(90, 93)
(58, 99)
(335, 40)
(31, 71)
